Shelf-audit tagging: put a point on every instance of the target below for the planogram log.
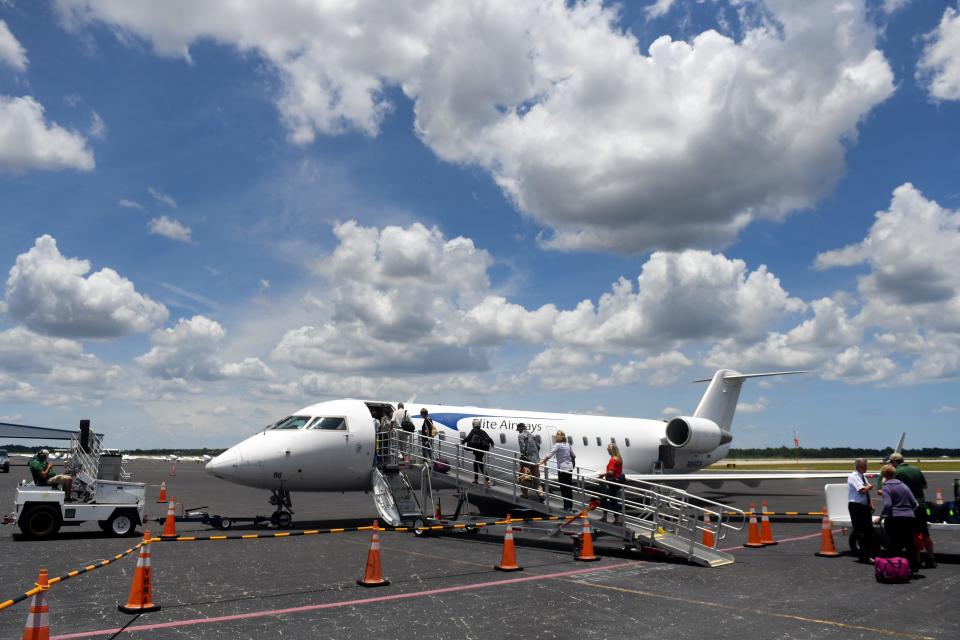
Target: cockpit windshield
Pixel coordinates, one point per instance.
(293, 422)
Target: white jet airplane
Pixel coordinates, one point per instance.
(329, 446)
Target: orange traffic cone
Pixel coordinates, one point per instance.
(141, 590)
(827, 550)
(766, 532)
(939, 500)
(38, 618)
(173, 470)
(753, 531)
(170, 524)
(508, 561)
(163, 493)
(586, 543)
(372, 574)
(709, 539)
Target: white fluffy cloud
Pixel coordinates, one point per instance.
(12, 52)
(939, 66)
(692, 295)
(23, 351)
(191, 350)
(27, 141)
(53, 295)
(170, 228)
(619, 161)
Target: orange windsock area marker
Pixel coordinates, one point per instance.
(38, 618)
(170, 524)
(508, 561)
(163, 493)
(766, 531)
(373, 574)
(827, 549)
(753, 532)
(141, 589)
(586, 543)
(709, 539)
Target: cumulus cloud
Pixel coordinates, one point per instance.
(23, 351)
(191, 350)
(27, 141)
(12, 52)
(625, 161)
(939, 67)
(170, 228)
(53, 295)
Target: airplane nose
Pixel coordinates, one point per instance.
(224, 465)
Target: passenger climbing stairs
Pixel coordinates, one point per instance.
(409, 479)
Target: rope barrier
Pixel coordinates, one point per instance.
(70, 574)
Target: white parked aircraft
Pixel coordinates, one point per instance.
(329, 446)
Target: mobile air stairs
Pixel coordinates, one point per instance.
(409, 478)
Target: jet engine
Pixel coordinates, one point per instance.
(696, 435)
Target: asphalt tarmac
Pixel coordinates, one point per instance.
(445, 587)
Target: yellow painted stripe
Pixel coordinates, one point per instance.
(5, 604)
(459, 526)
(281, 535)
(311, 532)
(365, 529)
(218, 537)
(249, 536)
(402, 529)
(72, 574)
(186, 538)
(341, 530)
(90, 567)
(760, 612)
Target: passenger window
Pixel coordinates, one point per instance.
(570, 440)
(503, 438)
(330, 424)
(626, 441)
(585, 441)
(613, 441)
(442, 436)
(599, 442)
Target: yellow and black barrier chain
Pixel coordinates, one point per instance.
(70, 574)
(315, 532)
(819, 514)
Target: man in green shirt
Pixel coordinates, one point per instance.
(914, 479)
(41, 470)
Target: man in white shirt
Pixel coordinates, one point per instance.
(861, 511)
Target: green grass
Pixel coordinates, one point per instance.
(810, 465)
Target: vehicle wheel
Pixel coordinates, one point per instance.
(282, 519)
(226, 523)
(41, 522)
(420, 529)
(6, 468)
(121, 524)
(104, 524)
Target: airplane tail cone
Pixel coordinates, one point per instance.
(141, 590)
(163, 493)
(766, 531)
(508, 561)
(753, 532)
(170, 524)
(372, 574)
(586, 543)
(38, 618)
(709, 539)
(827, 548)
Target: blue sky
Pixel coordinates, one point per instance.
(215, 214)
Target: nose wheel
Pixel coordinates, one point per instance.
(283, 516)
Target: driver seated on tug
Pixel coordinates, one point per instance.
(41, 469)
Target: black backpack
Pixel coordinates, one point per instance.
(406, 423)
(479, 440)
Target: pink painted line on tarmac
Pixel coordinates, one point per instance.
(342, 603)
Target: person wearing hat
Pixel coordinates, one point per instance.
(479, 442)
(41, 468)
(530, 457)
(915, 480)
(428, 431)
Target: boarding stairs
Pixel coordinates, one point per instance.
(89, 461)
(650, 515)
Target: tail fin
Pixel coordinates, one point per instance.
(719, 402)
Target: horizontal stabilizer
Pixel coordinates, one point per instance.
(744, 376)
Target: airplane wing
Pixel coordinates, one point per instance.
(749, 479)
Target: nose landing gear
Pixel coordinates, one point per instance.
(283, 516)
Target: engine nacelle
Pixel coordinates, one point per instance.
(696, 435)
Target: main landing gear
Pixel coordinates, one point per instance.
(283, 516)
